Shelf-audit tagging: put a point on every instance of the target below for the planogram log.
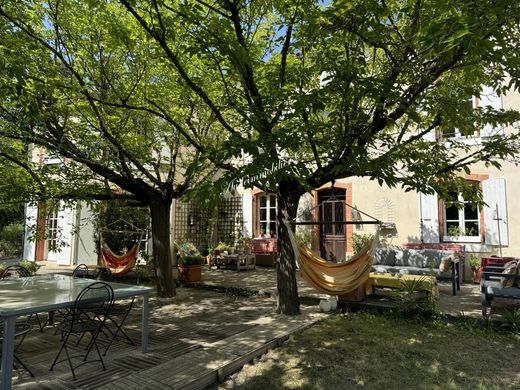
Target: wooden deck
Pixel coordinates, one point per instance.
(196, 339)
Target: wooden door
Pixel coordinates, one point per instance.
(332, 234)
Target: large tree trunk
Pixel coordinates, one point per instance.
(288, 196)
(160, 211)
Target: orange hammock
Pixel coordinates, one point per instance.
(118, 265)
(335, 278)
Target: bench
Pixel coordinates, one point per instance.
(491, 286)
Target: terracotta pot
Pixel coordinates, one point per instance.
(190, 273)
(476, 275)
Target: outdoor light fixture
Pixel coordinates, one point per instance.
(355, 215)
(191, 220)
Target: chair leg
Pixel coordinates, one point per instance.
(23, 365)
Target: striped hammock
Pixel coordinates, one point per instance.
(119, 266)
(336, 278)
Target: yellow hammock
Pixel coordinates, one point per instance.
(336, 278)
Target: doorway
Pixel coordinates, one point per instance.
(332, 232)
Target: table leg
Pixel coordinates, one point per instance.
(145, 321)
(8, 352)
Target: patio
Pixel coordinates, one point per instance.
(199, 337)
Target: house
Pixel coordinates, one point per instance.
(411, 217)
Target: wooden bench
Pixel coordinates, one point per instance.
(491, 286)
(425, 283)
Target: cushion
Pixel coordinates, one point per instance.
(401, 256)
(509, 269)
(445, 264)
(415, 258)
(384, 256)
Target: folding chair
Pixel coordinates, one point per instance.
(17, 271)
(117, 317)
(97, 297)
(20, 331)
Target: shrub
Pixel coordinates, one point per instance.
(30, 266)
(359, 241)
(11, 240)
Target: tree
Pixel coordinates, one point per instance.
(89, 90)
(298, 94)
(309, 92)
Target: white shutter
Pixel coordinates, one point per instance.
(29, 246)
(429, 218)
(247, 215)
(488, 97)
(495, 212)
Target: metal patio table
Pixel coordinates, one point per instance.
(45, 293)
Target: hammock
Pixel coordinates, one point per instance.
(119, 266)
(336, 278)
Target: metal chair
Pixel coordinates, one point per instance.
(17, 271)
(117, 317)
(20, 331)
(82, 271)
(97, 297)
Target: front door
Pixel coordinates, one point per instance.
(332, 214)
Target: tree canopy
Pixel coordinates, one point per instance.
(283, 95)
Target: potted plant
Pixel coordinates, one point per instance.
(189, 263)
(474, 263)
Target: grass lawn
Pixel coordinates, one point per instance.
(369, 351)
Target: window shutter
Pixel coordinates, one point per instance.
(429, 218)
(247, 216)
(495, 230)
(489, 97)
(29, 246)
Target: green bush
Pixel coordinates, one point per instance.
(11, 238)
(30, 266)
(191, 260)
(359, 241)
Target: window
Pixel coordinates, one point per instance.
(462, 220)
(267, 215)
(451, 132)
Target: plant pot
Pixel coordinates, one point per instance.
(476, 275)
(190, 273)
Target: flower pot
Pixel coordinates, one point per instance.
(190, 273)
(476, 275)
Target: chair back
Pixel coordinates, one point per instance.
(97, 298)
(15, 271)
(81, 271)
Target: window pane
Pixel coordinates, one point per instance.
(453, 228)
(263, 201)
(263, 226)
(327, 217)
(272, 200)
(272, 214)
(452, 213)
(471, 229)
(470, 212)
(339, 217)
(272, 229)
(263, 215)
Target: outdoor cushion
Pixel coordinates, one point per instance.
(445, 264)
(384, 256)
(509, 269)
(415, 258)
(401, 256)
